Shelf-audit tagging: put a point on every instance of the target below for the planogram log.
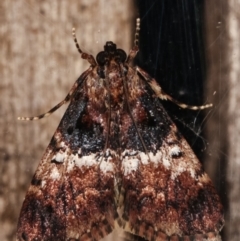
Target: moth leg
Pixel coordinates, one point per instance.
(163, 96)
(134, 50)
(67, 98)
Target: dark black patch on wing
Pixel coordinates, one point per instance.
(77, 128)
(88, 135)
(36, 181)
(153, 129)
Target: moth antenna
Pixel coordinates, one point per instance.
(136, 40)
(86, 56)
(134, 50)
(75, 41)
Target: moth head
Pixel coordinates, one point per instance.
(111, 53)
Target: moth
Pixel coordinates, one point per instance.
(117, 161)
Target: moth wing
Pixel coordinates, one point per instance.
(71, 196)
(165, 191)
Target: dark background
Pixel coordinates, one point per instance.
(172, 51)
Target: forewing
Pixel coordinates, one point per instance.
(71, 196)
(165, 191)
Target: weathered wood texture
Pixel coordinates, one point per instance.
(39, 63)
(223, 129)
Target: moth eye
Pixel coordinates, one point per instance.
(121, 55)
(101, 73)
(101, 58)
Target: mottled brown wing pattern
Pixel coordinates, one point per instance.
(166, 192)
(118, 161)
(72, 194)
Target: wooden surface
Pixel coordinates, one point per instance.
(39, 63)
(223, 128)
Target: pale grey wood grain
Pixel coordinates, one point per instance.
(39, 63)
